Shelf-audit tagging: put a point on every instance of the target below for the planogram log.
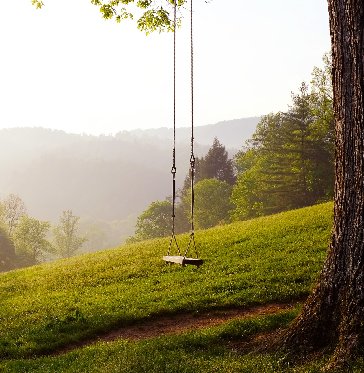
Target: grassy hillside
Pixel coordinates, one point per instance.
(268, 259)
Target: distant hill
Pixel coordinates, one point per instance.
(102, 178)
(231, 133)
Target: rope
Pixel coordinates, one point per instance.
(191, 241)
(192, 158)
(174, 169)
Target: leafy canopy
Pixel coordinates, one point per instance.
(7, 251)
(12, 208)
(212, 203)
(155, 221)
(289, 161)
(152, 15)
(66, 238)
(30, 240)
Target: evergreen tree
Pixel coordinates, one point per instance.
(289, 162)
(215, 165)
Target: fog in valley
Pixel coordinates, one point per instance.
(105, 180)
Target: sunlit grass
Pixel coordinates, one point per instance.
(202, 351)
(268, 259)
(213, 349)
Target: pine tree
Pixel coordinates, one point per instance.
(215, 165)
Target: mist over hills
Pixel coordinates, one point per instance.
(231, 133)
(103, 178)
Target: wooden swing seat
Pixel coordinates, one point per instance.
(182, 260)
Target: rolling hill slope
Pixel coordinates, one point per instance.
(270, 259)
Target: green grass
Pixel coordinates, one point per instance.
(202, 351)
(268, 259)
(209, 350)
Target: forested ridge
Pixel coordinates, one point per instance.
(104, 180)
(288, 163)
(102, 177)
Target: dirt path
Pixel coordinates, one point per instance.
(176, 324)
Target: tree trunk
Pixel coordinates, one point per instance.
(333, 315)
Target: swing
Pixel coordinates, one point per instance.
(182, 259)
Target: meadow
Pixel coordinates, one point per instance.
(270, 259)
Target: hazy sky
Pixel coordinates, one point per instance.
(64, 67)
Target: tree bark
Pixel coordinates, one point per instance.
(333, 316)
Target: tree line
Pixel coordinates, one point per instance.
(25, 240)
(288, 163)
